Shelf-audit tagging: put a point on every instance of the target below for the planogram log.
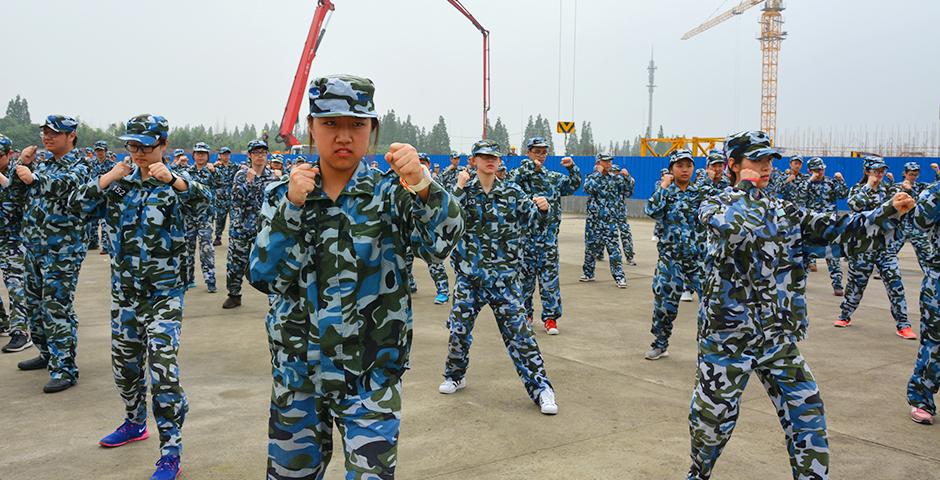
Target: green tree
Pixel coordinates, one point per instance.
(586, 145)
(18, 110)
(438, 140)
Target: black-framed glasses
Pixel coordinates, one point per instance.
(138, 147)
(48, 132)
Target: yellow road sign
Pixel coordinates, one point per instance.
(564, 127)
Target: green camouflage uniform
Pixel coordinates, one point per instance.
(247, 198)
(199, 232)
(12, 253)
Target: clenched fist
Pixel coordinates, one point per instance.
(667, 180)
(903, 202)
(462, 178)
(838, 176)
(29, 154)
(302, 182)
(403, 159)
(541, 202)
(160, 172)
(567, 162)
(25, 174)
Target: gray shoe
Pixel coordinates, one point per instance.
(20, 341)
(656, 353)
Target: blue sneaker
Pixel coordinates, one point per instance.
(441, 298)
(168, 468)
(126, 433)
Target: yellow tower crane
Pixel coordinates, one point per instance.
(771, 34)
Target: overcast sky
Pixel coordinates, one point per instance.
(227, 62)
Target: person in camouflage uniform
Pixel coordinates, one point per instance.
(820, 194)
(53, 236)
(146, 204)
(247, 197)
(753, 309)
(199, 223)
(448, 177)
(331, 246)
(925, 380)
(592, 237)
(712, 179)
(488, 262)
(540, 251)
(12, 251)
(675, 206)
(225, 172)
(101, 164)
(864, 196)
(908, 230)
(607, 191)
(623, 222)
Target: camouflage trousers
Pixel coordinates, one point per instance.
(49, 293)
(237, 263)
(925, 381)
(860, 269)
(919, 240)
(201, 234)
(438, 274)
(300, 433)
(626, 237)
(835, 271)
(222, 206)
(145, 342)
(93, 238)
(720, 381)
(541, 264)
(595, 241)
(11, 266)
(674, 274)
(410, 265)
(469, 298)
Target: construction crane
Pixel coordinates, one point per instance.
(771, 35)
(315, 37)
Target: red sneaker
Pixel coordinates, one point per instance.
(551, 327)
(920, 415)
(907, 334)
(840, 323)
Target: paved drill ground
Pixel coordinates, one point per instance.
(620, 416)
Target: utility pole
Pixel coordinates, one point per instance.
(652, 69)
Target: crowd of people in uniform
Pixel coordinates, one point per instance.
(332, 243)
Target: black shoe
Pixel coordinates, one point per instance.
(217, 242)
(232, 301)
(93, 247)
(19, 342)
(57, 385)
(36, 363)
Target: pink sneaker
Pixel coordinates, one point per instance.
(921, 416)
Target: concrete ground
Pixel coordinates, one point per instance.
(621, 416)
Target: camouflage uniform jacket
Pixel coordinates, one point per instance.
(821, 196)
(677, 211)
(709, 186)
(224, 178)
(862, 198)
(448, 178)
(342, 321)
(793, 191)
(755, 265)
(51, 223)
(607, 191)
(907, 221)
(629, 184)
(12, 199)
(147, 234)
(490, 252)
(542, 182)
(99, 168)
(926, 217)
(206, 179)
(247, 198)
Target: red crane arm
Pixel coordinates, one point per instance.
(298, 89)
(486, 60)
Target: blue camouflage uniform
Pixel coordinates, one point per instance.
(680, 250)
(487, 261)
(821, 196)
(53, 236)
(12, 199)
(925, 381)
(98, 168)
(607, 191)
(199, 227)
(247, 198)
(340, 327)
(753, 312)
(224, 178)
(919, 238)
(863, 198)
(623, 222)
(541, 247)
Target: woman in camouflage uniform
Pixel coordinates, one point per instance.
(331, 246)
(753, 309)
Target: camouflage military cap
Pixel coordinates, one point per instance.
(300, 159)
(911, 167)
(202, 147)
(716, 156)
(101, 145)
(603, 157)
(225, 150)
(816, 163)
(874, 163)
(454, 155)
(147, 129)
(663, 172)
(501, 168)
(257, 144)
(6, 145)
(424, 157)
(61, 123)
(486, 147)
(679, 155)
(276, 158)
(536, 142)
(87, 150)
(178, 152)
(797, 158)
(342, 96)
(751, 144)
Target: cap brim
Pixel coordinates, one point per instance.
(487, 152)
(539, 145)
(200, 150)
(764, 152)
(344, 114)
(143, 139)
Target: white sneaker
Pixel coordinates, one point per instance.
(622, 284)
(586, 279)
(547, 402)
(686, 297)
(449, 386)
(655, 238)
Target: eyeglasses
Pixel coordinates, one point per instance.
(137, 147)
(48, 132)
